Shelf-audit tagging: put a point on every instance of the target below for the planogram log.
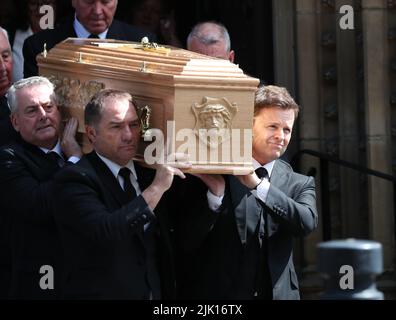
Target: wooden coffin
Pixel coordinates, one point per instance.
(202, 106)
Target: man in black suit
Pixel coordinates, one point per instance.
(27, 167)
(5, 136)
(7, 133)
(93, 19)
(111, 212)
(240, 237)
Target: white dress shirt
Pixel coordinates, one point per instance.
(262, 189)
(115, 169)
(81, 32)
(261, 192)
(17, 55)
(58, 150)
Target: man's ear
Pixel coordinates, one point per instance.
(91, 133)
(14, 121)
(231, 56)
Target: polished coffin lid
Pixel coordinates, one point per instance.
(196, 92)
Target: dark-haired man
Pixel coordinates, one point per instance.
(112, 212)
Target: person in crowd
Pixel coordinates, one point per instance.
(238, 243)
(92, 19)
(27, 169)
(7, 12)
(212, 39)
(7, 132)
(156, 16)
(112, 213)
(25, 24)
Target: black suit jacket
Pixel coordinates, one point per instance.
(107, 254)
(35, 43)
(26, 185)
(7, 132)
(223, 246)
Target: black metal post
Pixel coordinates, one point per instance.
(326, 217)
(350, 268)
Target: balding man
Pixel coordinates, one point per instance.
(212, 39)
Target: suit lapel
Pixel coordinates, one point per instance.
(144, 176)
(114, 31)
(238, 206)
(38, 158)
(246, 209)
(279, 178)
(63, 31)
(113, 188)
(107, 178)
(69, 29)
(4, 109)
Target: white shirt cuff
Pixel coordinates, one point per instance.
(262, 190)
(214, 201)
(73, 159)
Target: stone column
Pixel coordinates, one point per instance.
(348, 121)
(284, 56)
(284, 44)
(309, 98)
(378, 127)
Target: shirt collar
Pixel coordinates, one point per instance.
(268, 166)
(81, 32)
(56, 149)
(115, 168)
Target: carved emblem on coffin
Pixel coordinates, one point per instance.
(214, 118)
(70, 90)
(198, 103)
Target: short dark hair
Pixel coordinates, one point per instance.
(273, 96)
(94, 109)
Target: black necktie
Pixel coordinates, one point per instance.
(129, 190)
(93, 36)
(262, 172)
(56, 158)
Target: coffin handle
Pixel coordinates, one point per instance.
(145, 116)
